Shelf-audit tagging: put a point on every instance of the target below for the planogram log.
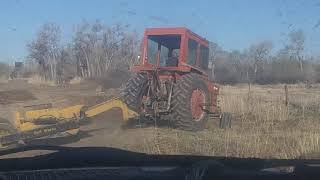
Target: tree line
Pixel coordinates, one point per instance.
(258, 65)
(93, 50)
(96, 49)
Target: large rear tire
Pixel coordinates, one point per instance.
(132, 91)
(189, 96)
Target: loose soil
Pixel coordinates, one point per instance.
(15, 96)
(254, 134)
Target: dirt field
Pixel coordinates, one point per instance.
(263, 126)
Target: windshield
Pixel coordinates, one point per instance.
(216, 78)
(168, 47)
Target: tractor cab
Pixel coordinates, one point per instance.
(176, 49)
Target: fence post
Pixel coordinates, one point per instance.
(249, 91)
(286, 95)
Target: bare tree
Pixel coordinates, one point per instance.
(66, 67)
(82, 45)
(296, 46)
(213, 52)
(45, 50)
(128, 50)
(259, 53)
(99, 48)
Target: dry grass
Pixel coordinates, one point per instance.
(37, 80)
(263, 126)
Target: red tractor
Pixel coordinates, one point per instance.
(171, 79)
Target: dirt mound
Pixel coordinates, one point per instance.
(13, 96)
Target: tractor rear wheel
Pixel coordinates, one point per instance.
(189, 96)
(133, 90)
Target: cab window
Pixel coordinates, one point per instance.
(152, 51)
(204, 57)
(192, 52)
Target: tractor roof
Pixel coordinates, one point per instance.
(172, 31)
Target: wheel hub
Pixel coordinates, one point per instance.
(197, 101)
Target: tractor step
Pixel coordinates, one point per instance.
(214, 115)
(225, 119)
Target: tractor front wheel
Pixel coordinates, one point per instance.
(190, 94)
